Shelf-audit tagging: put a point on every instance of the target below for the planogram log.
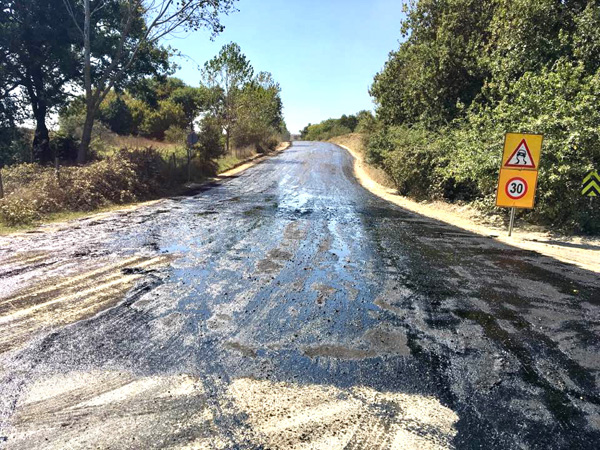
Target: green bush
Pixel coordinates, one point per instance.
(115, 113)
(210, 144)
(327, 129)
(559, 102)
(176, 134)
(411, 157)
(64, 146)
(17, 211)
(467, 72)
(157, 122)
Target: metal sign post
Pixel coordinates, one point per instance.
(512, 220)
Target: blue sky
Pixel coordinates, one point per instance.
(324, 54)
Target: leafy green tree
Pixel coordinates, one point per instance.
(10, 117)
(120, 42)
(259, 113)
(36, 39)
(158, 121)
(116, 114)
(331, 127)
(470, 71)
(192, 101)
(151, 90)
(210, 143)
(437, 69)
(225, 75)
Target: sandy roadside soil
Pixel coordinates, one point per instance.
(581, 251)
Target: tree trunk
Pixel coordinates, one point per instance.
(227, 141)
(41, 139)
(86, 137)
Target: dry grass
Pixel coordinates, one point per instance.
(34, 196)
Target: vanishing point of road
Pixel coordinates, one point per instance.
(289, 308)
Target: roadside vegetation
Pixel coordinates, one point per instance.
(469, 71)
(122, 118)
(337, 127)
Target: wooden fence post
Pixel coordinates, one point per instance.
(56, 170)
(1, 185)
(189, 163)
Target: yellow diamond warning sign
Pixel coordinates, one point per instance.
(522, 151)
(516, 188)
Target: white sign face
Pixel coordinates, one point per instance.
(516, 188)
(521, 157)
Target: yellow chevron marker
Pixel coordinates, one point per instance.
(591, 184)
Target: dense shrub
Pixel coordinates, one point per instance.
(64, 146)
(176, 134)
(469, 71)
(362, 122)
(130, 175)
(115, 113)
(461, 161)
(210, 144)
(561, 103)
(17, 211)
(324, 130)
(158, 121)
(15, 145)
(410, 156)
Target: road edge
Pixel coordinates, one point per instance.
(587, 259)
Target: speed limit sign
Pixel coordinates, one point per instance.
(516, 188)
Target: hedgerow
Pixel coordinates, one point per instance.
(466, 74)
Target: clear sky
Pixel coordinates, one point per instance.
(323, 53)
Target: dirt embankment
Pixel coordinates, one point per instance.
(581, 251)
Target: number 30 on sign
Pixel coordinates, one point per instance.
(516, 188)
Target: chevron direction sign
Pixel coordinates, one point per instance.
(591, 184)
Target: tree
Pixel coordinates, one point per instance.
(35, 42)
(226, 74)
(468, 72)
(259, 113)
(116, 114)
(192, 102)
(120, 41)
(439, 66)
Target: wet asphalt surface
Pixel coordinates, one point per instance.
(293, 309)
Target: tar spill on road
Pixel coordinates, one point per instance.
(288, 308)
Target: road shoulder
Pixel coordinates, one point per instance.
(580, 251)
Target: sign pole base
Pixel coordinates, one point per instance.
(512, 221)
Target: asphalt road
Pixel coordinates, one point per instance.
(288, 308)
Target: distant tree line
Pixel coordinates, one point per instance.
(337, 127)
(470, 70)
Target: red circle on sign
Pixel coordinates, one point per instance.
(515, 194)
